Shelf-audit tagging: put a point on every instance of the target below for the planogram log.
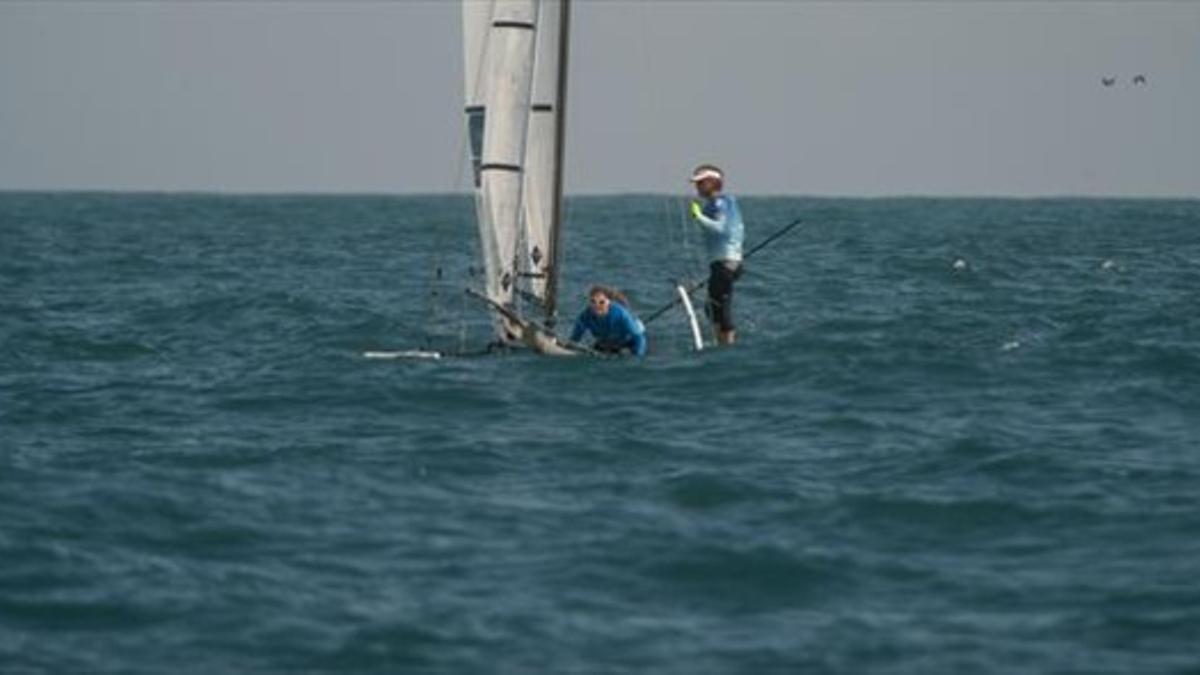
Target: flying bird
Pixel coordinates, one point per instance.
(1108, 81)
(1139, 79)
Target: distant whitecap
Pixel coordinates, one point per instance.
(1010, 345)
(1108, 265)
(959, 265)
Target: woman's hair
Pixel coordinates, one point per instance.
(610, 293)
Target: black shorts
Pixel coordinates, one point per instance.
(721, 276)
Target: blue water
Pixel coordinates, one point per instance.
(902, 467)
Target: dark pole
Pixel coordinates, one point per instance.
(560, 135)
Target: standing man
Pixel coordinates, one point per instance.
(724, 232)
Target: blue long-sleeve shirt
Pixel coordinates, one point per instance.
(724, 230)
(617, 329)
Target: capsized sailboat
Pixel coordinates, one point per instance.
(515, 56)
(515, 68)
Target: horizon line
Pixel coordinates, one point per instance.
(590, 195)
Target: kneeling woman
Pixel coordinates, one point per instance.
(611, 322)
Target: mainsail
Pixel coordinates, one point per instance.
(516, 57)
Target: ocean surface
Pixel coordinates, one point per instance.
(904, 466)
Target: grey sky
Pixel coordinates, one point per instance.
(790, 97)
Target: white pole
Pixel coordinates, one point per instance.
(687, 306)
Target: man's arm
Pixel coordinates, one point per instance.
(714, 221)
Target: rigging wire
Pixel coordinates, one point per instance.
(447, 318)
(677, 236)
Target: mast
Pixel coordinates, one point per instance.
(560, 132)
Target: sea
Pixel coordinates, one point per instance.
(955, 435)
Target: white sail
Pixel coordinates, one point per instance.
(543, 156)
(498, 42)
(515, 55)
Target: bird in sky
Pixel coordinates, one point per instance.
(1139, 79)
(1108, 81)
